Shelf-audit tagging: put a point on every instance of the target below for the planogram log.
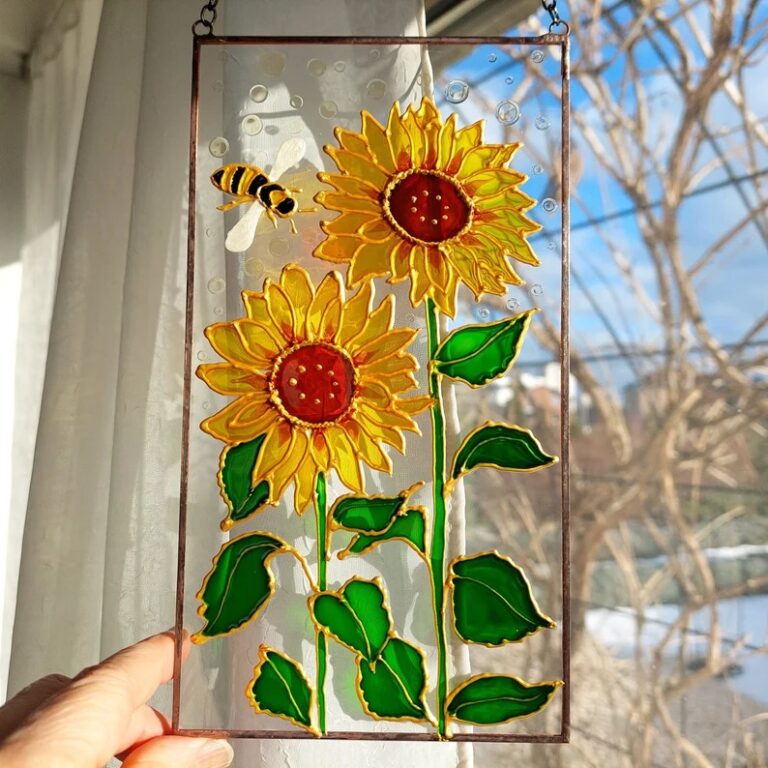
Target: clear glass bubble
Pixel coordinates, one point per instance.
(328, 109)
(483, 313)
(297, 102)
(201, 355)
(376, 89)
(308, 236)
(253, 267)
(272, 130)
(259, 93)
(551, 244)
(251, 125)
(492, 57)
(537, 56)
(248, 156)
(509, 80)
(549, 204)
(339, 66)
(375, 54)
(537, 169)
(218, 146)
(456, 91)
(218, 311)
(216, 284)
(513, 304)
(280, 247)
(207, 405)
(542, 123)
(507, 112)
(273, 63)
(316, 67)
(536, 289)
(208, 232)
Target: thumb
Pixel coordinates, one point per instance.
(181, 752)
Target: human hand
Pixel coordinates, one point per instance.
(102, 712)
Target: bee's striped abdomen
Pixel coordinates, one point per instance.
(239, 179)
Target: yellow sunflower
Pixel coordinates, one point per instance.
(320, 376)
(423, 199)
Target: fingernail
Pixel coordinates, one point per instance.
(215, 753)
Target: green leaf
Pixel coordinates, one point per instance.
(357, 616)
(239, 584)
(394, 686)
(408, 527)
(489, 699)
(279, 687)
(369, 514)
(477, 354)
(492, 601)
(235, 472)
(501, 446)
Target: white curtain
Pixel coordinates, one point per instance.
(98, 490)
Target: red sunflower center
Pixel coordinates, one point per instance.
(315, 383)
(428, 206)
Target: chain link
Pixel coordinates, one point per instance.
(204, 25)
(550, 6)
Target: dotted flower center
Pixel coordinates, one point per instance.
(314, 383)
(427, 206)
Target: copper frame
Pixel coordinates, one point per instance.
(563, 737)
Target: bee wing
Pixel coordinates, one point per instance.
(240, 237)
(289, 153)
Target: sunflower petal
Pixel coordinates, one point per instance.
(368, 449)
(305, 485)
(276, 445)
(226, 379)
(330, 321)
(280, 309)
(220, 425)
(298, 288)
(339, 202)
(399, 140)
(445, 141)
(256, 309)
(375, 326)
(378, 230)
(348, 223)
(378, 431)
(318, 447)
(375, 393)
(419, 277)
(328, 291)
(354, 313)
(257, 341)
(414, 405)
(398, 364)
(344, 458)
(286, 470)
(370, 260)
(351, 185)
(399, 261)
(389, 418)
(378, 142)
(360, 167)
(227, 343)
(337, 249)
(387, 346)
(352, 141)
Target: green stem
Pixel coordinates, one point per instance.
(321, 642)
(437, 548)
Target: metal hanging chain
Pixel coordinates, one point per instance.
(204, 25)
(550, 6)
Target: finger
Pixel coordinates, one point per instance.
(88, 721)
(146, 723)
(181, 752)
(29, 700)
(143, 667)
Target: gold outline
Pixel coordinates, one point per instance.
(227, 524)
(429, 717)
(461, 686)
(453, 181)
(198, 638)
(404, 495)
(377, 580)
(451, 481)
(449, 583)
(264, 649)
(274, 394)
(402, 512)
(434, 363)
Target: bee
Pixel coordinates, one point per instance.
(249, 184)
